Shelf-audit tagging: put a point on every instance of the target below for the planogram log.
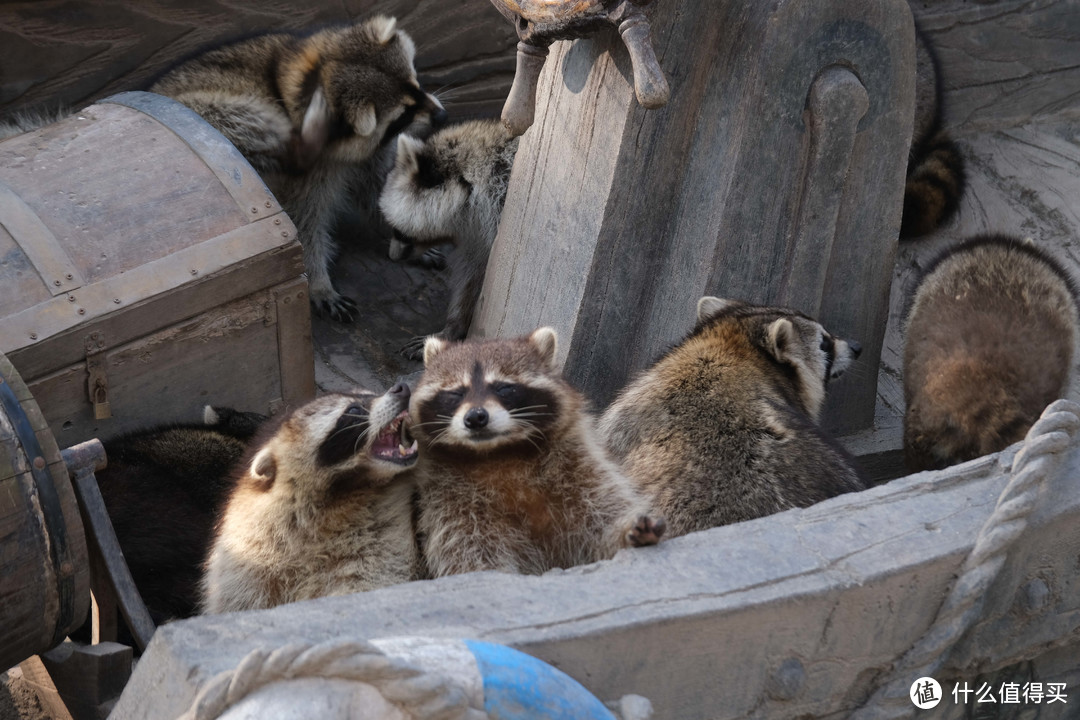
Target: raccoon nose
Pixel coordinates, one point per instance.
(856, 348)
(400, 390)
(439, 117)
(476, 418)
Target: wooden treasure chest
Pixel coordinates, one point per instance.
(147, 271)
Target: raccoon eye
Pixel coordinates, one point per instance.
(455, 394)
(427, 175)
(507, 391)
(826, 344)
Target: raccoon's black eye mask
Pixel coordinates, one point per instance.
(427, 175)
(347, 435)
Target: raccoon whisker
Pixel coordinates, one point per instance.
(347, 429)
(429, 422)
(516, 415)
(527, 407)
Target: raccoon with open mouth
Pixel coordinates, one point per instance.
(322, 506)
(723, 428)
(309, 112)
(511, 475)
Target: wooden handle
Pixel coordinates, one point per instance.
(650, 85)
(517, 114)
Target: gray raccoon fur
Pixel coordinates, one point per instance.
(322, 506)
(309, 112)
(511, 474)
(935, 173)
(451, 188)
(988, 345)
(723, 428)
(25, 121)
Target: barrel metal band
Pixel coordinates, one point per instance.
(226, 162)
(50, 510)
(37, 242)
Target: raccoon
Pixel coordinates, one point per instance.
(25, 121)
(988, 345)
(451, 188)
(308, 112)
(511, 475)
(322, 505)
(723, 428)
(935, 172)
(163, 488)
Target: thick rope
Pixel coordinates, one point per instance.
(417, 693)
(1043, 448)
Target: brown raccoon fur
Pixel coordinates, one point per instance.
(988, 345)
(723, 428)
(308, 112)
(163, 488)
(322, 506)
(935, 172)
(451, 188)
(511, 474)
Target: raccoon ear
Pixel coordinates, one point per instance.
(383, 28)
(264, 468)
(547, 342)
(407, 149)
(364, 121)
(781, 338)
(709, 306)
(432, 347)
(315, 130)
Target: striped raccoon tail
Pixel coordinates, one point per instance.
(935, 181)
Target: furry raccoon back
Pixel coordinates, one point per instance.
(988, 345)
(723, 427)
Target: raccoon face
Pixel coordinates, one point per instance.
(793, 340)
(358, 90)
(483, 396)
(345, 441)
(426, 193)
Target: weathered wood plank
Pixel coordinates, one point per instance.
(73, 53)
(765, 178)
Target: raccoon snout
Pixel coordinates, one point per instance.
(855, 346)
(476, 418)
(439, 117)
(400, 390)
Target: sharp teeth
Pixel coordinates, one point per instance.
(413, 447)
(401, 449)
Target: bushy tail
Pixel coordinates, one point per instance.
(935, 182)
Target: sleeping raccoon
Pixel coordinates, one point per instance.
(451, 188)
(935, 172)
(163, 488)
(512, 476)
(723, 428)
(322, 506)
(988, 345)
(308, 112)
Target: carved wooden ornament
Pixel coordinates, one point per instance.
(541, 22)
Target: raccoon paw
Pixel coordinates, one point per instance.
(646, 531)
(433, 259)
(414, 349)
(337, 307)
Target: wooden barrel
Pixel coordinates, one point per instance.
(44, 574)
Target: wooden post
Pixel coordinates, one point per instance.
(774, 174)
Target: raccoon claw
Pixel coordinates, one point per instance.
(340, 308)
(414, 349)
(433, 259)
(646, 531)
